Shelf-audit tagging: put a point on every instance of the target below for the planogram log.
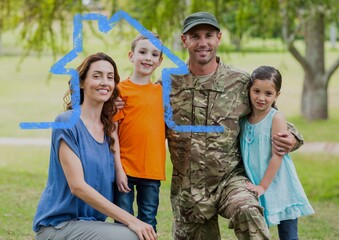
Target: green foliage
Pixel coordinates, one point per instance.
(42, 21)
(299, 10)
(7, 8)
(44, 24)
(203, 6)
(162, 17)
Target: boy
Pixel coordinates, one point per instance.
(141, 130)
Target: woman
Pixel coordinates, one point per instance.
(78, 195)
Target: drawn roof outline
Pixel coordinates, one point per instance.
(105, 25)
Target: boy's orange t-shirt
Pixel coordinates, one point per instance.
(142, 130)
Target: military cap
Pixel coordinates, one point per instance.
(199, 18)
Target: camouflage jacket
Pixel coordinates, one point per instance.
(203, 161)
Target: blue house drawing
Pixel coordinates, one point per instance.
(105, 25)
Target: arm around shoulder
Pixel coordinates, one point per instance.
(298, 137)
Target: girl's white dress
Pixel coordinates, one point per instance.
(285, 198)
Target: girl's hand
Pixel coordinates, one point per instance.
(122, 181)
(143, 230)
(260, 190)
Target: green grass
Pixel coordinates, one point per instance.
(319, 131)
(23, 175)
(28, 95)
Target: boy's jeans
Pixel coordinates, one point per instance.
(147, 199)
(288, 229)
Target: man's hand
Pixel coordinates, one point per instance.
(119, 103)
(260, 190)
(283, 143)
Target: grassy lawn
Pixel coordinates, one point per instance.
(23, 175)
(29, 96)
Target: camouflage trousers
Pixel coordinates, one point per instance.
(237, 204)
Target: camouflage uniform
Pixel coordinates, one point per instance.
(208, 176)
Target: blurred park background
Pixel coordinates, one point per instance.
(299, 37)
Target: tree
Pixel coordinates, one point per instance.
(42, 24)
(309, 18)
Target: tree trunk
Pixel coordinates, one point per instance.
(333, 34)
(314, 105)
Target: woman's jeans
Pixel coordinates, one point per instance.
(147, 196)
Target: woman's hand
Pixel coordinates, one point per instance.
(143, 230)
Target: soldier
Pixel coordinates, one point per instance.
(208, 174)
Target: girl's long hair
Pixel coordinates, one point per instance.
(109, 108)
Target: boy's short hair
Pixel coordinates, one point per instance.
(142, 37)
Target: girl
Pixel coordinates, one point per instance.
(273, 177)
(78, 195)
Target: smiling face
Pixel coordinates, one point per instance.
(202, 42)
(145, 57)
(99, 83)
(262, 95)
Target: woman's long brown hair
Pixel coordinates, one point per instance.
(109, 108)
